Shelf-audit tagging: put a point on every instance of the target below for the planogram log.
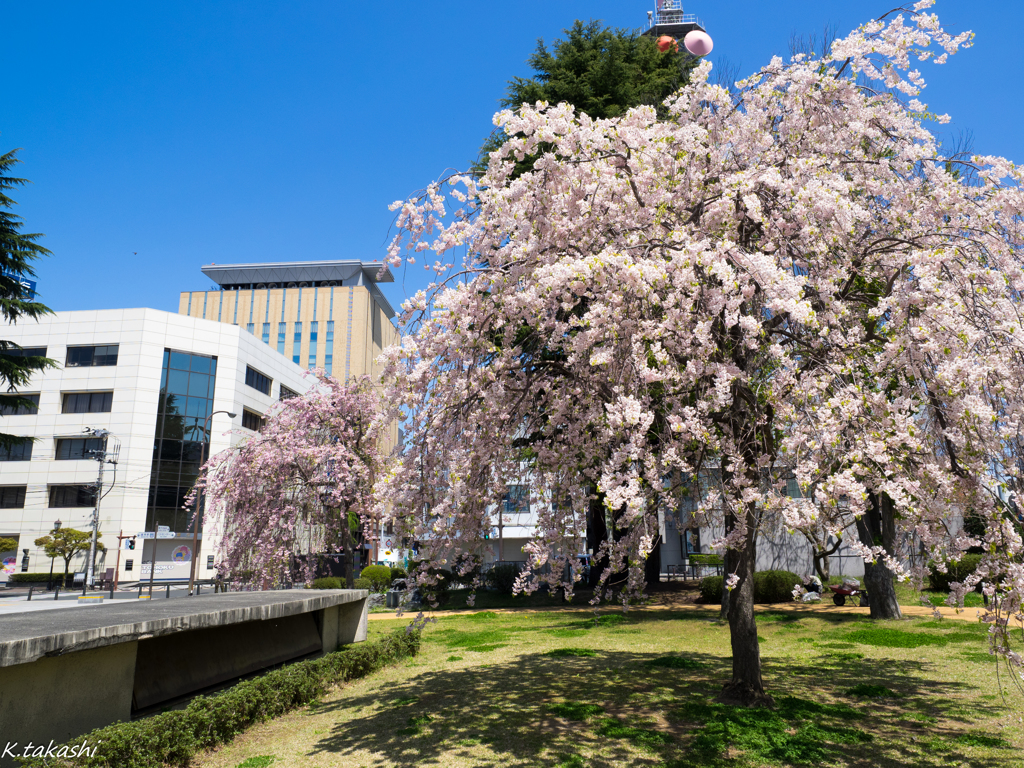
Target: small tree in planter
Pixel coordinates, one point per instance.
(65, 544)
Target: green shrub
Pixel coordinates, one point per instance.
(502, 577)
(398, 572)
(379, 576)
(34, 578)
(711, 589)
(769, 587)
(327, 582)
(362, 583)
(711, 560)
(958, 571)
(775, 586)
(174, 738)
(436, 593)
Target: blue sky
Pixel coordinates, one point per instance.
(160, 137)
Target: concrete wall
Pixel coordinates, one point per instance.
(61, 697)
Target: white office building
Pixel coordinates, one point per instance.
(161, 385)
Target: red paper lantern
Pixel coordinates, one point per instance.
(665, 42)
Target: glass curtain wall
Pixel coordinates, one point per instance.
(186, 399)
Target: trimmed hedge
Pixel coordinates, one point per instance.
(502, 577)
(958, 571)
(174, 738)
(711, 560)
(775, 586)
(378, 575)
(35, 578)
(336, 582)
(327, 582)
(711, 589)
(769, 587)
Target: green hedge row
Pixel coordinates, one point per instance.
(957, 571)
(174, 738)
(769, 587)
(35, 578)
(376, 578)
(713, 560)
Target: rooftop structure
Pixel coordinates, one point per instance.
(318, 314)
(668, 19)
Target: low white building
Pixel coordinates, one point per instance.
(150, 379)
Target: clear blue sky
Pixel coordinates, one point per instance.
(190, 133)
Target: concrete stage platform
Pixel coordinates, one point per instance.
(65, 672)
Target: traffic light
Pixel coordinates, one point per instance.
(131, 543)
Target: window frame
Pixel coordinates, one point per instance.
(4, 489)
(65, 395)
(95, 360)
(21, 411)
(55, 487)
(246, 412)
(254, 377)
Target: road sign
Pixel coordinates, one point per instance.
(165, 534)
(145, 535)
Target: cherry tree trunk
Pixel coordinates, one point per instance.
(597, 533)
(350, 581)
(746, 687)
(877, 528)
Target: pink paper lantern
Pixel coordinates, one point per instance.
(698, 43)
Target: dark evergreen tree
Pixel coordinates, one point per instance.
(17, 252)
(600, 71)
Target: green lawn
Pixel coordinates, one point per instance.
(559, 689)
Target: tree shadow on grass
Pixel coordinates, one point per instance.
(621, 708)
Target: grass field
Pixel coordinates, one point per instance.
(561, 689)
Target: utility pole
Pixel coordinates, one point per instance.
(101, 457)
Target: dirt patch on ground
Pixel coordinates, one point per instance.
(674, 593)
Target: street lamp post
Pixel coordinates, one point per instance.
(199, 503)
(56, 527)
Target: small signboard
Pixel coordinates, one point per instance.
(28, 287)
(165, 534)
(145, 535)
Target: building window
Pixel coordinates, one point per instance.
(297, 343)
(128, 564)
(84, 357)
(288, 394)
(251, 328)
(72, 496)
(209, 562)
(20, 452)
(257, 380)
(26, 352)
(329, 347)
(516, 499)
(77, 448)
(266, 333)
(21, 410)
(282, 328)
(312, 344)
(186, 398)
(252, 420)
(88, 402)
(12, 496)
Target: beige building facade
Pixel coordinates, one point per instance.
(318, 314)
